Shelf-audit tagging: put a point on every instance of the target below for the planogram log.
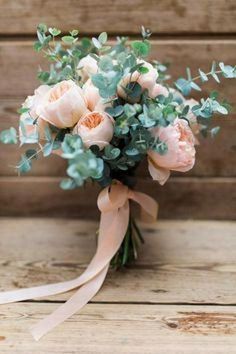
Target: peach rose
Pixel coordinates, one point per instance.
(93, 99)
(31, 131)
(146, 81)
(181, 151)
(87, 67)
(63, 105)
(95, 128)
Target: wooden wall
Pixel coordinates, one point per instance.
(185, 33)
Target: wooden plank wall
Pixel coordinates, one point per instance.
(185, 33)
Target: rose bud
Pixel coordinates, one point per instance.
(87, 67)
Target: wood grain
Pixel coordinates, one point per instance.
(162, 16)
(197, 198)
(20, 62)
(126, 329)
(160, 304)
(211, 154)
(181, 261)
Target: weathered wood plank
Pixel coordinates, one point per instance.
(180, 262)
(211, 154)
(20, 62)
(204, 198)
(104, 328)
(179, 16)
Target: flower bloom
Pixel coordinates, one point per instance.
(93, 98)
(63, 105)
(181, 151)
(87, 67)
(146, 81)
(33, 130)
(158, 90)
(95, 128)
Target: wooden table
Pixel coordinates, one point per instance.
(179, 297)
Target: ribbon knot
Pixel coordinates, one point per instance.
(113, 202)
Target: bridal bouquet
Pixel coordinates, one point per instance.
(104, 108)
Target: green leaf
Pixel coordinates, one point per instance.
(42, 28)
(102, 38)
(54, 31)
(9, 136)
(74, 33)
(184, 86)
(23, 110)
(213, 67)
(105, 63)
(68, 184)
(228, 71)
(195, 86)
(116, 111)
(68, 39)
(141, 49)
(215, 76)
(96, 43)
(129, 110)
(189, 76)
(24, 165)
(214, 131)
(37, 46)
(132, 151)
(43, 76)
(47, 149)
(203, 76)
(143, 70)
(133, 90)
(111, 153)
(47, 134)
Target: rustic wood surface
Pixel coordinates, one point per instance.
(181, 197)
(179, 297)
(162, 16)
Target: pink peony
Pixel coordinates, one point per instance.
(181, 151)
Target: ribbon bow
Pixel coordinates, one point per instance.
(113, 202)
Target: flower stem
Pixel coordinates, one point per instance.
(128, 251)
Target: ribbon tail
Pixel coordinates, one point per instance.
(149, 207)
(73, 305)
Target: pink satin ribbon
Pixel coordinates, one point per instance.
(113, 202)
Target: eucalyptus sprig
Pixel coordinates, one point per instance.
(217, 71)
